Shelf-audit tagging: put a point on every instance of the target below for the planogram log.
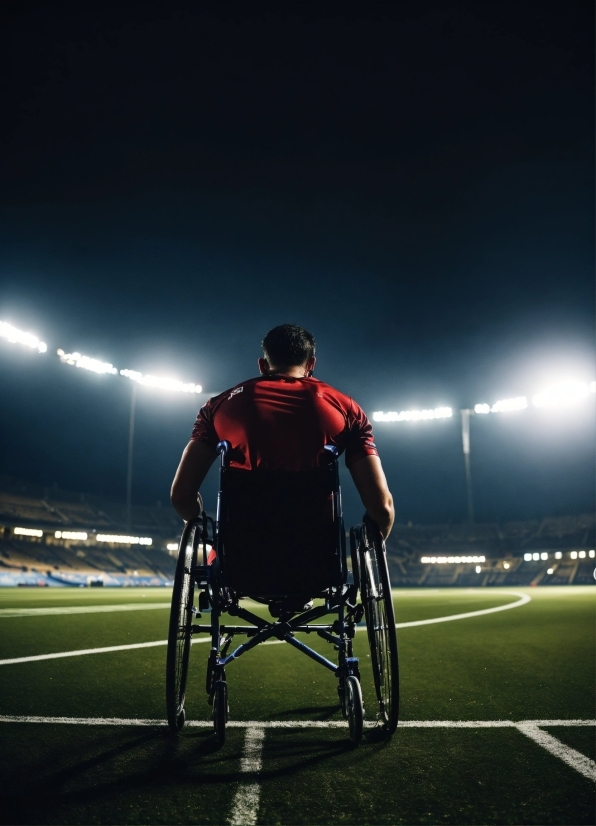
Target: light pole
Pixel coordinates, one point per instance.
(131, 436)
(465, 438)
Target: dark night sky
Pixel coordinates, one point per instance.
(412, 182)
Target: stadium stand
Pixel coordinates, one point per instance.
(551, 551)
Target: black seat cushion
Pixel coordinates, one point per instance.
(278, 533)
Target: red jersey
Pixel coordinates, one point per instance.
(283, 423)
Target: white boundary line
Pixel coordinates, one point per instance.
(523, 600)
(281, 724)
(578, 761)
(11, 613)
(83, 651)
(245, 806)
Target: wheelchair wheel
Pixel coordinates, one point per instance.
(220, 711)
(180, 631)
(380, 624)
(355, 709)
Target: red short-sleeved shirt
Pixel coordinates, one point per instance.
(283, 423)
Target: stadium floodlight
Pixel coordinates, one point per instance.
(591, 554)
(162, 383)
(124, 540)
(582, 554)
(564, 394)
(502, 406)
(413, 415)
(506, 565)
(544, 555)
(172, 546)
(80, 535)
(558, 555)
(450, 560)
(28, 532)
(86, 363)
(573, 554)
(527, 557)
(550, 570)
(478, 569)
(15, 336)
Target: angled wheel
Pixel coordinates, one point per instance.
(375, 588)
(354, 708)
(180, 631)
(220, 711)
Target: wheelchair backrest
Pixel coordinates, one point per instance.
(280, 533)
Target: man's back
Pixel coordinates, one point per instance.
(283, 423)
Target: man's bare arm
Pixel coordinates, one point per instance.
(371, 484)
(194, 466)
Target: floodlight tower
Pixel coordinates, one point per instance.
(131, 436)
(465, 438)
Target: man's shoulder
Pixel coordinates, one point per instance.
(332, 393)
(227, 395)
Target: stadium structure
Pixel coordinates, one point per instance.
(51, 537)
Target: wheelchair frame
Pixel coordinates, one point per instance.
(369, 579)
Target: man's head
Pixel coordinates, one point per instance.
(288, 349)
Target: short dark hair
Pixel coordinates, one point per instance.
(288, 345)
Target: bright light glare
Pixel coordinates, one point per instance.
(536, 557)
(161, 383)
(413, 415)
(543, 555)
(86, 363)
(478, 569)
(172, 546)
(573, 554)
(506, 405)
(558, 555)
(450, 560)
(15, 336)
(582, 554)
(28, 532)
(506, 566)
(124, 540)
(563, 394)
(482, 408)
(527, 557)
(550, 571)
(591, 554)
(71, 535)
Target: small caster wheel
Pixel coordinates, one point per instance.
(220, 711)
(355, 709)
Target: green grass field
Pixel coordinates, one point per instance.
(533, 662)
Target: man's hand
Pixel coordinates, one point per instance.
(371, 484)
(194, 466)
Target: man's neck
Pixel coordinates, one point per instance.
(296, 372)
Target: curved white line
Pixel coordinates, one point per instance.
(523, 600)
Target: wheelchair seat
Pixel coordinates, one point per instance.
(278, 533)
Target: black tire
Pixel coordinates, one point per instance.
(375, 588)
(341, 691)
(180, 631)
(220, 711)
(354, 708)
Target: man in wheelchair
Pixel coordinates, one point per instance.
(278, 536)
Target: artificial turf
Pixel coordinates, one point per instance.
(531, 662)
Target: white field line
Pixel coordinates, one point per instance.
(282, 724)
(8, 613)
(245, 806)
(578, 761)
(523, 599)
(83, 651)
(247, 797)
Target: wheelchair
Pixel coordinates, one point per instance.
(279, 539)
